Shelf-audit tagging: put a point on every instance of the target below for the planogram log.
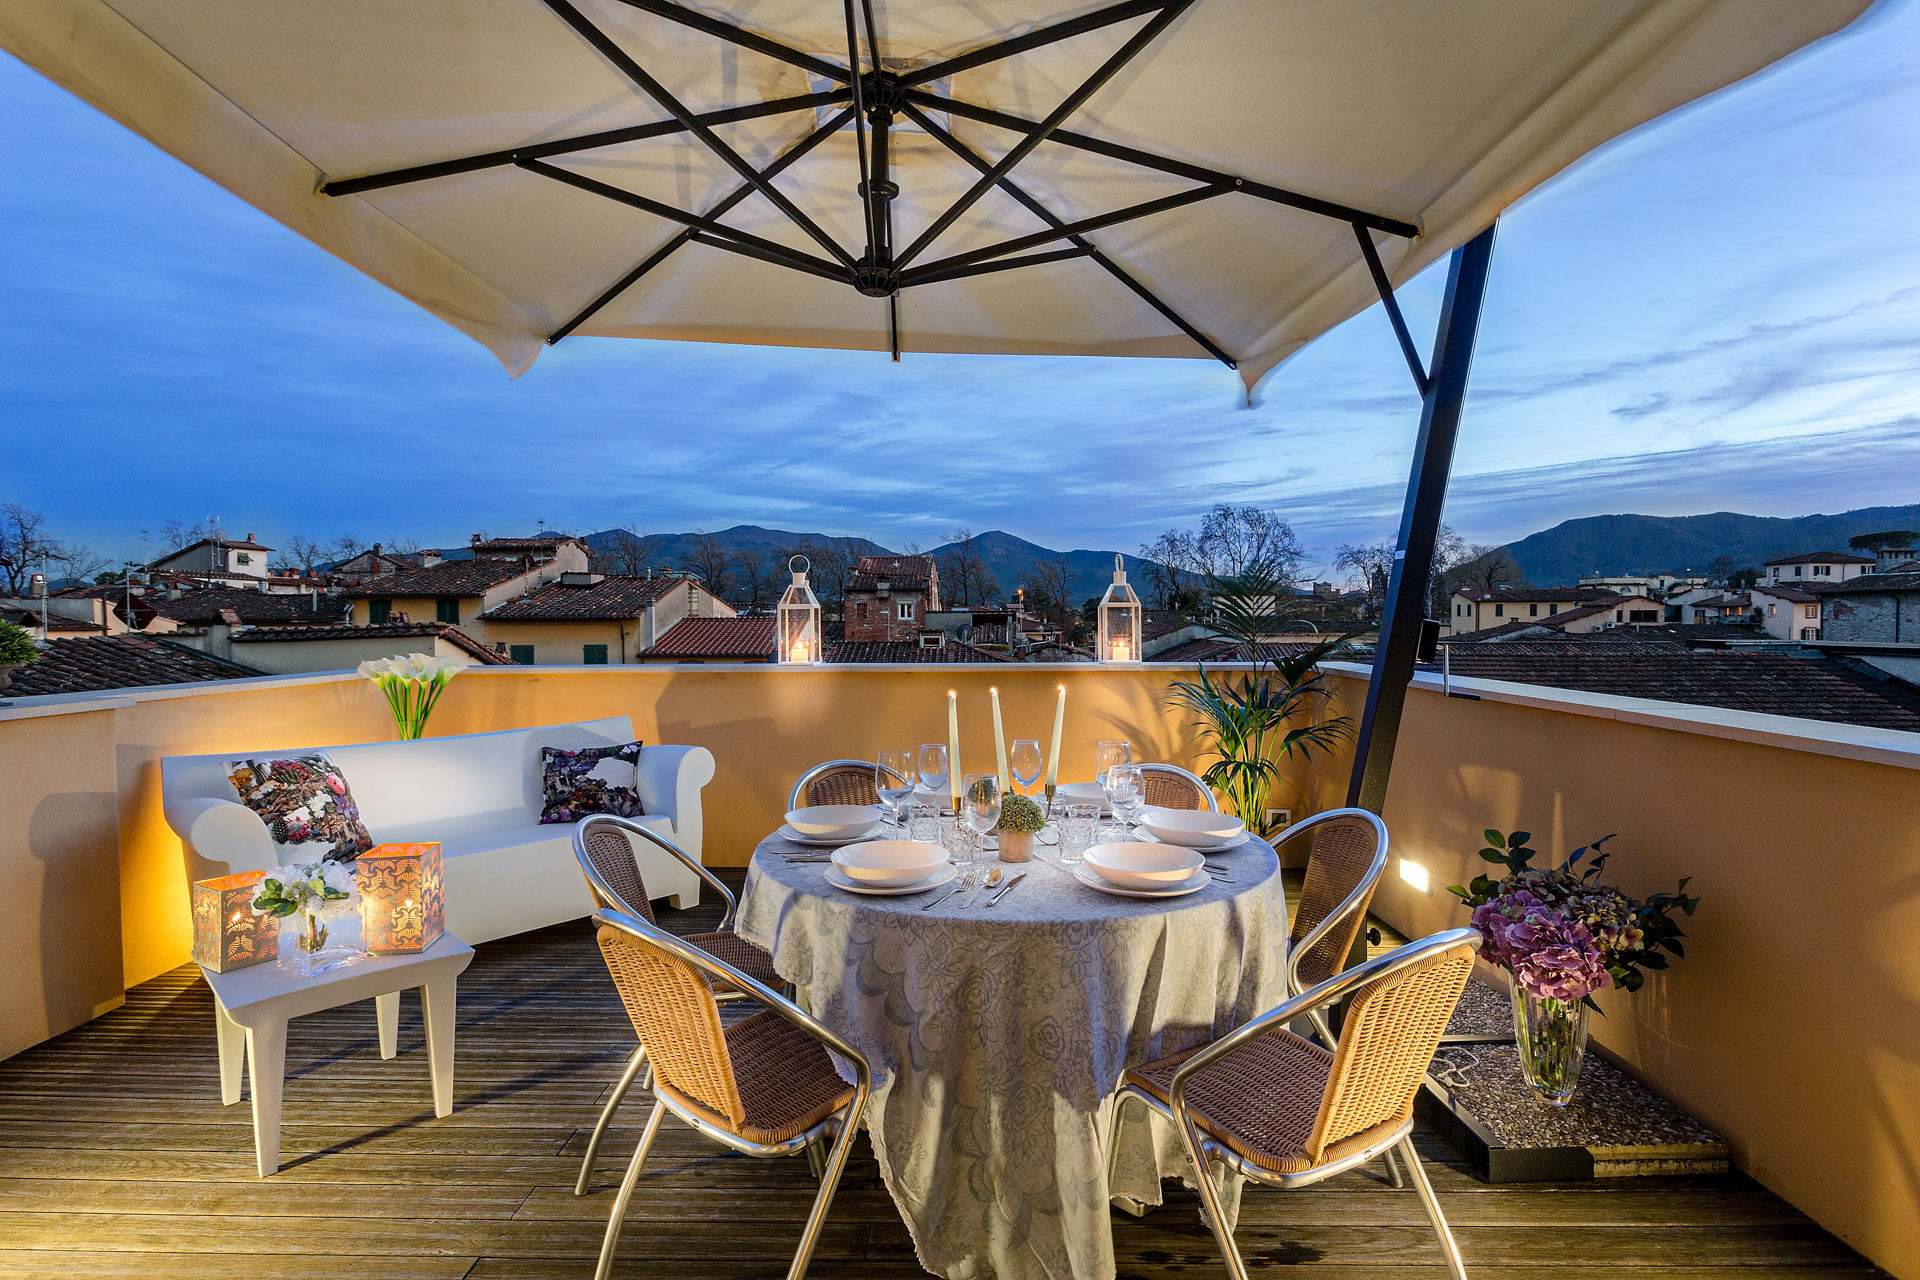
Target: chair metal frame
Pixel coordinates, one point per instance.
(842, 1126)
(1356, 900)
(607, 899)
(795, 796)
(1213, 805)
(1203, 1151)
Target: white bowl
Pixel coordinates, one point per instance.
(890, 863)
(1139, 865)
(833, 821)
(1195, 828)
(1080, 793)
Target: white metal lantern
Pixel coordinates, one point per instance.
(798, 634)
(1119, 620)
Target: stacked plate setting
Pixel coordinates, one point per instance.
(1139, 869)
(889, 867)
(1195, 829)
(831, 824)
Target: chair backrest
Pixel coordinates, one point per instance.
(1168, 786)
(674, 1015)
(605, 852)
(1347, 849)
(1387, 1041)
(835, 782)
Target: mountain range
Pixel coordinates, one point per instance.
(1655, 544)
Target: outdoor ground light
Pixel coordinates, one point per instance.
(401, 899)
(1119, 620)
(227, 935)
(797, 635)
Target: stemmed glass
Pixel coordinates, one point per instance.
(980, 805)
(1125, 789)
(1024, 762)
(934, 767)
(1110, 752)
(893, 779)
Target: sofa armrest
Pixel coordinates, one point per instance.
(670, 779)
(222, 838)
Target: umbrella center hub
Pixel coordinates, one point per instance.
(877, 278)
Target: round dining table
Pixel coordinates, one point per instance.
(998, 1034)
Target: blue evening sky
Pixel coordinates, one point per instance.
(1719, 312)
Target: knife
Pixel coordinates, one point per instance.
(1006, 889)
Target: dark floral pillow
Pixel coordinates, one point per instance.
(591, 780)
(306, 805)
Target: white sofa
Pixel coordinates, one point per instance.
(480, 796)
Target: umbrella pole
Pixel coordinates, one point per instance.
(1441, 401)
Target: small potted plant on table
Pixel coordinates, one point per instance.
(1020, 819)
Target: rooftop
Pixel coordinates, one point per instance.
(1897, 580)
(347, 632)
(254, 608)
(910, 573)
(746, 638)
(614, 596)
(1539, 595)
(21, 616)
(907, 651)
(1821, 557)
(448, 578)
(92, 663)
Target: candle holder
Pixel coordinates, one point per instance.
(797, 626)
(227, 935)
(1119, 620)
(400, 898)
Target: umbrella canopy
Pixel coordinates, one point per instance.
(1182, 178)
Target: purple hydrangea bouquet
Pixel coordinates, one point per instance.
(1564, 935)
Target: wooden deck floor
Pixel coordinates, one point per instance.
(117, 1159)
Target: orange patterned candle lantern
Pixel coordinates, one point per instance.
(227, 935)
(400, 898)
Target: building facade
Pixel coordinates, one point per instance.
(888, 598)
(1815, 568)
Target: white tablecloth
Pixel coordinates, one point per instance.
(998, 1035)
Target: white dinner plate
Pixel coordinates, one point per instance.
(1192, 884)
(841, 880)
(1141, 833)
(818, 842)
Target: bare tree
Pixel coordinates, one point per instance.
(1171, 569)
(1369, 567)
(81, 563)
(965, 578)
(710, 562)
(623, 551)
(756, 577)
(1047, 592)
(175, 534)
(347, 546)
(829, 563)
(302, 555)
(1478, 568)
(1234, 539)
(24, 546)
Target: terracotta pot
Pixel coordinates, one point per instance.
(1016, 846)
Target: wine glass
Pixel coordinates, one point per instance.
(934, 767)
(1024, 763)
(980, 804)
(1125, 788)
(1110, 752)
(893, 779)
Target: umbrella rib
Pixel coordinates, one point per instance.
(860, 129)
(1015, 45)
(764, 251)
(1136, 43)
(700, 222)
(619, 57)
(1067, 230)
(1165, 164)
(1378, 271)
(581, 142)
(939, 274)
(1047, 216)
(740, 36)
(667, 250)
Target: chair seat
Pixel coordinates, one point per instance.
(730, 948)
(785, 1077)
(1261, 1101)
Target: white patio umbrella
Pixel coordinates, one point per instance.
(1183, 178)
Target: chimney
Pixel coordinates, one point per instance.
(429, 558)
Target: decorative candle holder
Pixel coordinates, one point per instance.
(400, 898)
(227, 935)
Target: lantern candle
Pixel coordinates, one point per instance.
(999, 742)
(1053, 753)
(953, 747)
(400, 898)
(227, 935)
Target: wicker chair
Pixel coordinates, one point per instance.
(1349, 853)
(764, 1086)
(836, 782)
(1168, 786)
(1274, 1108)
(603, 844)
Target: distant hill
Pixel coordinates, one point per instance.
(1653, 544)
(671, 549)
(1012, 560)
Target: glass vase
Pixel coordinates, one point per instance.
(310, 946)
(1551, 1035)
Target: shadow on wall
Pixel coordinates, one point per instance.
(74, 836)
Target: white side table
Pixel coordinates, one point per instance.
(259, 1001)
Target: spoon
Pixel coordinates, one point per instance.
(994, 877)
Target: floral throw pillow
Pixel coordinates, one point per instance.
(306, 805)
(591, 780)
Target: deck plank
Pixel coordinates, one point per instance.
(117, 1159)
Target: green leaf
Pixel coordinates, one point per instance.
(1518, 838)
(1459, 891)
(1494, 855)
(283, 909)
(1495, 839)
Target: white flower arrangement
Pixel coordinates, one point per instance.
(323, 890)
(412, 686)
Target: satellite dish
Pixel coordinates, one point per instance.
(965, 633)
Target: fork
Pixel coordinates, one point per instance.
(966, 883)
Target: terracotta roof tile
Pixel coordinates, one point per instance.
(1869, 582)
(448, 578)
(376, 631)
(615, 596)
(1218, 650)
(30, 619)
(902, 573)
(747, 639)
(118, 662)
(864, 651)
(201, 608)
(1821, 557)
